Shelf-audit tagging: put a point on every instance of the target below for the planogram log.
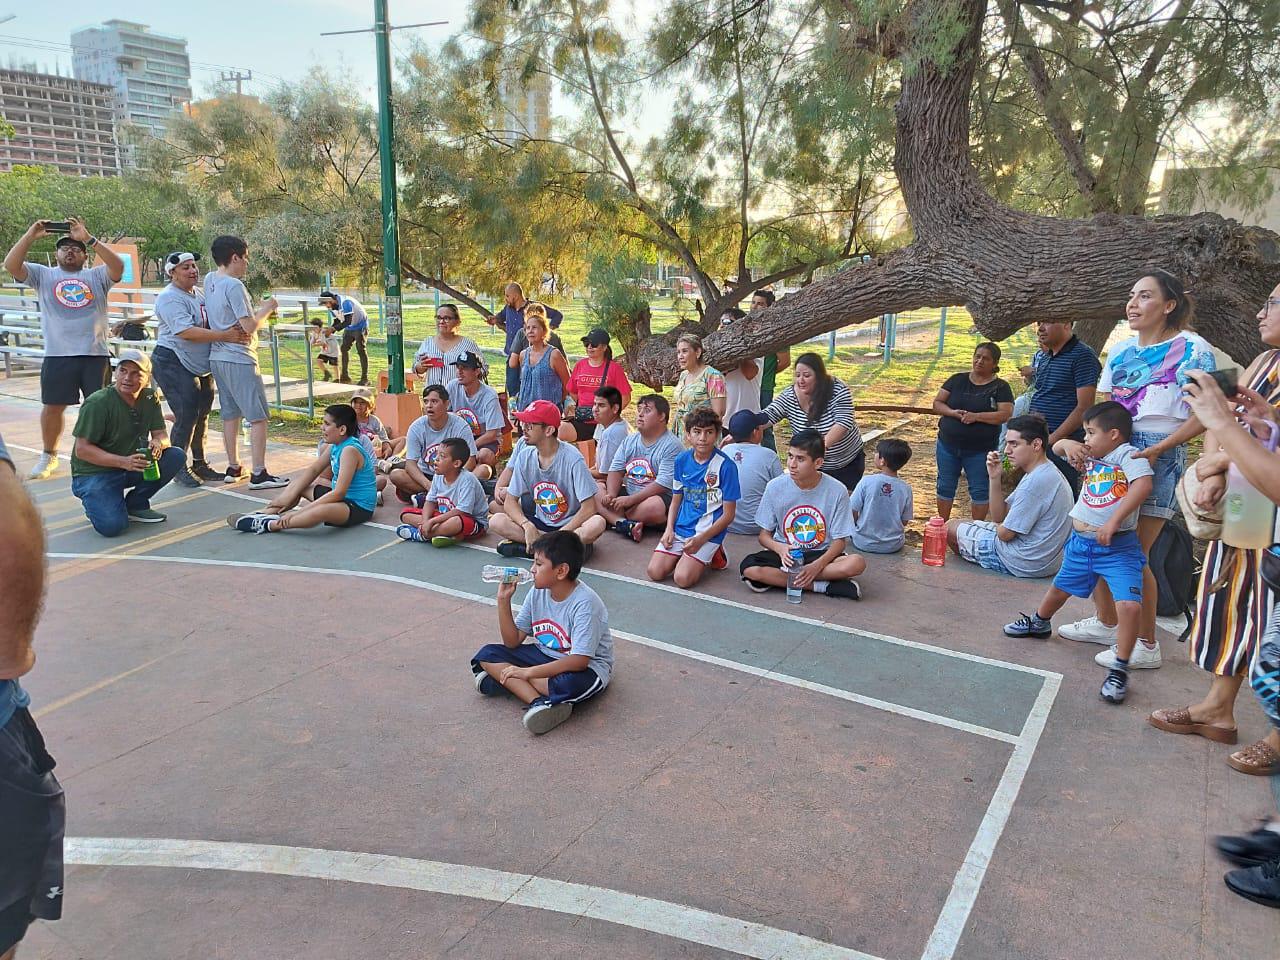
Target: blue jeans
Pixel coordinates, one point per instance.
(103, 494)
(974, 465)
(190, 398)
(1168, 468)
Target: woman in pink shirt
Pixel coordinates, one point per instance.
(597, 369)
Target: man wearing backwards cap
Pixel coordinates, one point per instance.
(114, 425)
(73, 319)
(757, 465)
(180, 361)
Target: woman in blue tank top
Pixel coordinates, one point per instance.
(346, 461)
(544, 373)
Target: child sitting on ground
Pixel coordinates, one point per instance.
(807, 510)
(610, 431)
(324, 338)
(371, 427)
(571, 657)
(1104, 541)
(456, 507)
(882, 503)
(704, 497)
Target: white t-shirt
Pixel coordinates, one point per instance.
(1148, 381)
(741, 393)
(608, 440)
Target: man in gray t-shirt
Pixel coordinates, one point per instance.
(422, 444)
(643, 467)
(756, 464)
(73, 319)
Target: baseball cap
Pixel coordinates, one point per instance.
(540, 411)
(329, 295)
(70, 241)
(142, 360)
(363, 393)
(742, 423)
(469, 359)
(599, 337)
(177, 257)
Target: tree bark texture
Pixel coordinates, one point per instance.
(1007, 267)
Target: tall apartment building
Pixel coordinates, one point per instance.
(524, 107)
(149, 72)
(58, 122)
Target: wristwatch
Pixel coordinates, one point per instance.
(93, 241)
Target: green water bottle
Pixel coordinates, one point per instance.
(152, 469)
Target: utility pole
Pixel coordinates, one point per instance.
(236, 77)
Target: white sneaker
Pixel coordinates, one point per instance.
(379, 498)
(1142, 658)
(1088, 630)
(45, 467)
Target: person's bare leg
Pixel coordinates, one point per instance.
(688, 572)
(773, 576)
(979, 510)
(506, 528)
(1148, 529)
(660, 566)
(523, 689)
(952, 540)
(1129, 615)
(258, 445)
(845, 568)
(52, 416)
(231, 441)
(1218, 706)
(592, 530)
(944, 508)
(312, 516)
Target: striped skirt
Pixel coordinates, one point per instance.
(1230, 621)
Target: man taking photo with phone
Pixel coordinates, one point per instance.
(73, 320)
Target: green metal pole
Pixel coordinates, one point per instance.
(392, 317)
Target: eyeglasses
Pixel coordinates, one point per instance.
(1270, 302)
(445, 316)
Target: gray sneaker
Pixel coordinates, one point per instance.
(543, 716)
(1115, 687)
(147, 515)
(1029, 625)
(185, 478)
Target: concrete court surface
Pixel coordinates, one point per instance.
(271, 747)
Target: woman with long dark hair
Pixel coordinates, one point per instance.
(818, 401)
(971, 406)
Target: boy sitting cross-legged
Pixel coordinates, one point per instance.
(456, 507)
(1104, 541)
(571, 657)
(704, 497)
(805, 509)
(643, 464)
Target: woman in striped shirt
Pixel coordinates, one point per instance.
(434, 362)
(818, 401)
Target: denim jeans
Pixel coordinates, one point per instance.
(190, 398)
(1168, 469)
(105, 501)
(974, 464)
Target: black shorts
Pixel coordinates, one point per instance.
(356, 515)
(32, 821)
(66, 380)
(767, 558)
(585, 429)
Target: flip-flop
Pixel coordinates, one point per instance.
(1258, 759)
(1179, 721)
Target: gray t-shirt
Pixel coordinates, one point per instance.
(1105, 483)
(642, 463)
(422, 442)
(1039, 511)
(578, 624)
(226, 302)
(73, 309)
(756, 465)
(608, 440)
(807, 519)
(176, 311)
(465, 494)
(481, 410)
(558, 491)
(884, 505)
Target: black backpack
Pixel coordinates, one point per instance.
(1173, 564)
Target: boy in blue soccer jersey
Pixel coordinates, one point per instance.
(705, 496)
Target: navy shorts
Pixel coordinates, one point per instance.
(64, 381)
(1084, 561)
(563, 687)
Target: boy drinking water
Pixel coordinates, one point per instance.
(1103, 541)
(571, 657)
(883, 504)
(456, 507)
(704, 498)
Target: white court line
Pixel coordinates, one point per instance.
(886, 706)
(460, 880)
(950, 925)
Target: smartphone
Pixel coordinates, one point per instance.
(57, 226)
(1228, 380)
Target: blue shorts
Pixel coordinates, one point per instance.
(1168, 467)
(1084, 561)
(571, 687)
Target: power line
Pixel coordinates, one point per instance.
(16, 41)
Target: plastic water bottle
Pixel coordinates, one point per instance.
(492, 573)
(934, 553)
(794, 592)
(152, 470)
(1248, 515)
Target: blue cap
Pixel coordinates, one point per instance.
(744, 422)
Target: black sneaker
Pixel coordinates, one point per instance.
(1250, 849)
(542, 715)
(1260, 884)
(266, 481)
(848, 589)
(509, 548)
(756, 586)
(588, 551)
(205, 472)
(185, 478)
(1115, 687)
(250, 522)
(234, 474)
(486, 686)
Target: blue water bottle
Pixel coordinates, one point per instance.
(797, 564)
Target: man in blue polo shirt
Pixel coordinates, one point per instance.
(1066, 377)
(511, 319)
(350, 317)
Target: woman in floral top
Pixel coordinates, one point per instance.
(700, 384)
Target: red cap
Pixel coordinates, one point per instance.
(540, 411)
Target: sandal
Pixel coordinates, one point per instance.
(1179, 721)
(1258, 759)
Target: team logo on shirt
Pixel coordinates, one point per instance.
(640, 471)
(443, 504)
(1104, 484)
(886, 489)
(73, 293)
(552, 636)
(469, 417)
(431, 457)
(550, 501)
(805, 526)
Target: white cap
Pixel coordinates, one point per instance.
(173, 259)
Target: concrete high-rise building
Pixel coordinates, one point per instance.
(524, 107)
(58, 122)
(150, 72)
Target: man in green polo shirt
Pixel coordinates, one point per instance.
(114, 424)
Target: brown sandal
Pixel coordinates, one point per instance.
(1258, 759)
(1179, 721)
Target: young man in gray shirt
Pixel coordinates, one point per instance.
(756, 464)
(73, 319)
(645, 467)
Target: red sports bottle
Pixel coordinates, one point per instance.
(934, 553)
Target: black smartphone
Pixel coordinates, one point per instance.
(1228, 380)
(57, 226)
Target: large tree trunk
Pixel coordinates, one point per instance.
(1008, 268)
